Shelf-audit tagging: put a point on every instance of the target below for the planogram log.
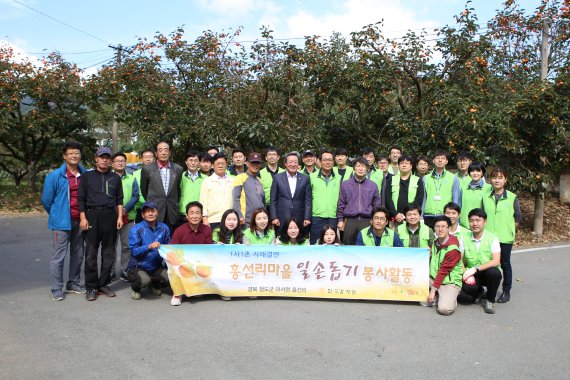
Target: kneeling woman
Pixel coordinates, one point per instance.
(229, 232)
(260, 232)
(291, 234)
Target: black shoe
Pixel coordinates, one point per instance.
(482, 294)
(124, 277)
(107, 291)
(505, 297)
(91, 295)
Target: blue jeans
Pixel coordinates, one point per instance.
(317, 225)
(61, 241)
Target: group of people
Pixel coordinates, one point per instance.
(389, 201)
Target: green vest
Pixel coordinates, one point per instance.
(474, 257)
(189, 190)
(347, 174)
(137, 175)
(254, 238)
(437, 257)
(127, 180)
(471, 198)
(412, 189)
(463, 181)
(439, 192)
(267, 180)
(404, 235)
(501, 215)
(377, 177)
(306, 242)
(216, 236)
(325, 195)
(386, 240)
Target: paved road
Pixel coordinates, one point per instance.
(272, 338)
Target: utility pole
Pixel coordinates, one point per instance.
(115, 133)
(539, 200)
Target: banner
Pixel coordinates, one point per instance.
(349, 272)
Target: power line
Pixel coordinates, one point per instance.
(61, 22)
(70, 53)
(98, 63)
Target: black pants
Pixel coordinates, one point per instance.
(141, 279)
(506, 266)
(491, 278)
(429, 220)
(102, 233)
(351, 228)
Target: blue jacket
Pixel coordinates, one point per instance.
(55, 199)
(140, 236)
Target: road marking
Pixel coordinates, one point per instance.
(541, 248)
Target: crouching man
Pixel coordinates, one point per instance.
(145, 266)
(445, 269)
(482, 261)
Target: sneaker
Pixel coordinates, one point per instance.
(124, 277)
(91, 295)
(155, 291)
(481, 295)
(489, 307)
(75, 288)
(135, 295)
(426, 304)
(176, 301)
(57, 295)
(226, 298)
(505, 297)
(106, 290)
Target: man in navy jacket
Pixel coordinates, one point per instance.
(59, 198)
(291, 194)
(145, 266)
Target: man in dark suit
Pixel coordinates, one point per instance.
(160, 183)
(290, 195)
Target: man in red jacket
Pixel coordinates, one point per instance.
(445, 269)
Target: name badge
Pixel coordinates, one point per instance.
(437, 198)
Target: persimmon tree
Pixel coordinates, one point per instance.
(40, 107)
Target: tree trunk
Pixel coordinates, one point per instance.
(538, 214)
(33, 175)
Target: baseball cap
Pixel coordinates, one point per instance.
(309, 153)
(148, 204)
(102, 151)
(254, 157)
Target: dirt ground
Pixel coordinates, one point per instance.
(556, 222)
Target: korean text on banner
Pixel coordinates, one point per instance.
(371, 273)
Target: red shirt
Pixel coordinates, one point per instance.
(73, 190)
(163, 166)
(186, 235)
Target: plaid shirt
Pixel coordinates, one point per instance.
(165, 175)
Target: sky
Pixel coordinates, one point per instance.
(93, 25)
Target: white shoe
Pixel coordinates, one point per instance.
(226, 298)
(176, 301)
(135, 295)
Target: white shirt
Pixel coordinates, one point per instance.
(292, 179)
(459, 237)
(495, 245)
